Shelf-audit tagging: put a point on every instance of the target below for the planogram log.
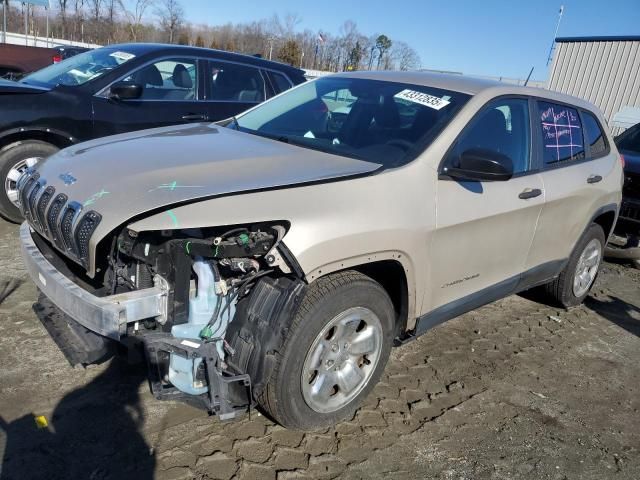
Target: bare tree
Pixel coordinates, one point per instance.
(110, 19)
(171, 15)
(405, 56)
(284, 28)
(96, 23)
(95, 9)
(291, 22)
(78, 23)
(134, 16)
(114, 21)
(62, 5)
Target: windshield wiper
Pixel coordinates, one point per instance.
(277, 138)
(231, 122)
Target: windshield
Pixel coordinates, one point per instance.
(383, 122)
(79, 69)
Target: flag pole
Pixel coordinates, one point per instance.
(553, 42)
(315, 56)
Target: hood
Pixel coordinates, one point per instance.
(125, 176)
(11, 87)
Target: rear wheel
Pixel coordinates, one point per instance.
(335, 352)
(573, 284)
(14, 160)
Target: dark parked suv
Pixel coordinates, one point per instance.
(121, 88)
(628, 226)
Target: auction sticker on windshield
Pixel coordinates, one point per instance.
(422, 98)
(122, 56)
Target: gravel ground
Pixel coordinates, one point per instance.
(513, 390)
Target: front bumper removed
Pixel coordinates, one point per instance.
(106, 316)
(80, 323)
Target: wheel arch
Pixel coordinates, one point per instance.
(392, 271)
(58, 138)
(606, 217)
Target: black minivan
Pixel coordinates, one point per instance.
(121, 88)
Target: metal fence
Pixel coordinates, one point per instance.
(602, 70)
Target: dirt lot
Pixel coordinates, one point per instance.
(513, 390)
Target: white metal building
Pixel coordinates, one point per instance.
(603, 70)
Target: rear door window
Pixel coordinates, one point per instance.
(594, 135)
(232, 82)
(562, 133)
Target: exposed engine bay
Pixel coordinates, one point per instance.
(230, 294)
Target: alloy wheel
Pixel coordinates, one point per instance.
(341, 360)
(587, 268)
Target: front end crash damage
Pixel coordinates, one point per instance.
(228, 296)
(225, 372)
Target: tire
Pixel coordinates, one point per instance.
(345, 295)
(15, 155)
(561, 290)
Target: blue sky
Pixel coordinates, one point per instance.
(483, 37)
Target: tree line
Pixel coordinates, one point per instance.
(279, 37)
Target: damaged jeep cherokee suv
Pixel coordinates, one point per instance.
(276, 257)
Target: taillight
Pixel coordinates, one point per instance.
(57, 58)
(623, 161)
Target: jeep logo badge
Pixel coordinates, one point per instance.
(67, 178)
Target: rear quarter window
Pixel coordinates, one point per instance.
(562, 133)
(594, 135)
(279, 82)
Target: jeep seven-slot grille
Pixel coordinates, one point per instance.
(24, 195)
(66, 227)
(42, 207)
(84, 230)
(56, 217)
(52, 218)
(33, 195)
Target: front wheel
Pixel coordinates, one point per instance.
(335, 352)
(14, 160)
(574, 282)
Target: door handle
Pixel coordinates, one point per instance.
(194, 117)
(594, 179)
(530, 193)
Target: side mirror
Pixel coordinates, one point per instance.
(478, 164)
(125, 91)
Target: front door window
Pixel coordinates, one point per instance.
(168, 80)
